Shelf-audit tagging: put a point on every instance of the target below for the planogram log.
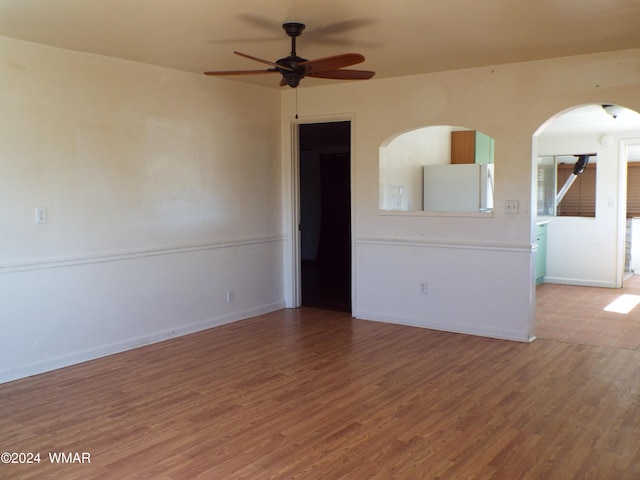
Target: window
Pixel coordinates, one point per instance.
(555, 173)
(580, 199)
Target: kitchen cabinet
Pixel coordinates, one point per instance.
(541, 253)
(471, 146)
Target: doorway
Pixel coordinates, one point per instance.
(630, 150)
(325, 214)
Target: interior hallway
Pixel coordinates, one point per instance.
(575, 314)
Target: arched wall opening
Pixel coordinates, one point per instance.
(584, 248)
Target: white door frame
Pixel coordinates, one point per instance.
(292, 245)
(622, 207)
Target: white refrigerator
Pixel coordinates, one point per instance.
(458, 187)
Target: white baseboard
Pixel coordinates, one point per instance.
(579, 282)
(480, 332)
(48, 365)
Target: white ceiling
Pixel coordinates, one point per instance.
(592, 119)
(400, 37)
(397, 38)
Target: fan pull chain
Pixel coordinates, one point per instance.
(296, 103)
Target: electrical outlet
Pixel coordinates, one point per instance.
(511, 206)
(422, 288)
(41, 215)
(229, 296)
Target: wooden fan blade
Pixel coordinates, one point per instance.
(283, 82)
(331, 63)
(241, 72)
(343, 74)
(273, 64)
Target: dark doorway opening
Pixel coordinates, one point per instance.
(325, 215)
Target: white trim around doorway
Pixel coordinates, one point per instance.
(291, 206)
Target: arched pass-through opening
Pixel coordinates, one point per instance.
(583, 218)
(439, 168)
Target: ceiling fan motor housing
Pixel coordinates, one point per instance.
(293, 74)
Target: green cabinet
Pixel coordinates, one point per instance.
(471, 146)
(485, 146)
(541, 253)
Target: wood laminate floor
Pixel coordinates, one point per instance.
(590, 315)
(310, 394)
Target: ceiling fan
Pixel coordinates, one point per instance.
(294, 68)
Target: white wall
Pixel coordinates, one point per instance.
(479, 269)
(162, 189)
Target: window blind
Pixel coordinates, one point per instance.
(580, 199)
(633, 189)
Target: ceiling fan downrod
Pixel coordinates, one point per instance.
(293, 29)
(292, 75)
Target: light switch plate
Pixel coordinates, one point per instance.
(41, 215)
